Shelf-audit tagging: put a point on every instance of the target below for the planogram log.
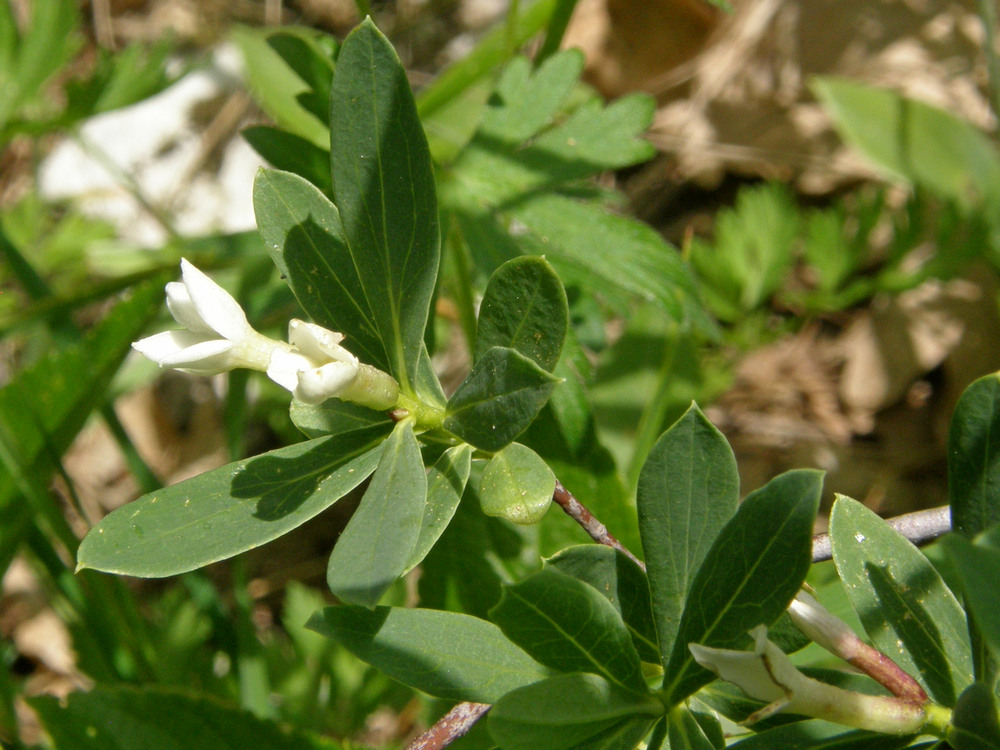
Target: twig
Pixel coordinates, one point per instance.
(919, 527)
(454, 724)
(597, 530)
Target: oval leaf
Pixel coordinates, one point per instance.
(904, 606)
(498, 401)
(444, 654)
(572, 710)
(234, 508)
(375, 547)
(974, 458)
(524, 308)
(567, 625)
(384, 187)
(517, 485)
(750, 574)
(688, 489)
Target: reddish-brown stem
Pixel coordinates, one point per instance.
(454, 724)
(597, 530)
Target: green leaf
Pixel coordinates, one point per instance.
(688, 489)
(524, 308)
(978, 567)
(375, 547)
(44, 407)
(684, 731)
(334, 416)
(500, 398)
(572, 711)
(974, 724)
(752, 571)
(384, 188)
(974, 458)
(914, 141)
(120, 718)
(820, 735)
(445, 654)
(621, 582)
(517, 485)
(576, 236)
(231, 509)
(303, 233)
(310, 56)
(446, 481)
(567, 625)
(292, 153)
(903, 604)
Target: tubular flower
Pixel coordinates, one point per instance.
(217, 338)
(767, 674)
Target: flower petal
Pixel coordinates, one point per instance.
(213, 305)
(166, 344)
(317, 342)
(285, 366)
(183, 310)
(204, 358)
(320, 383)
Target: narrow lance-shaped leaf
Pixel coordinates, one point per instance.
(750, 574)
(446, 481)
(385, 191)
(234, 508)
(567, 625)
(904, 606)
(688, 490)
(444, 654)
(375, 547)
(974, 458)
(524, 308)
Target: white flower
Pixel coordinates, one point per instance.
(216, 338)
(767, 674)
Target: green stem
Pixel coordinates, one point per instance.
(988, 15)
(463, 287)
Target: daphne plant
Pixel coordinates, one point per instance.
(593, 648)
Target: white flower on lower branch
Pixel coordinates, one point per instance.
(767, 674)
(217, 338)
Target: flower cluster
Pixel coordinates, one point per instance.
(217, 338)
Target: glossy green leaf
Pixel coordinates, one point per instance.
(301, 229)
(903, 604)
(524, 308)
(622, 582)
(914, 141)
(500, 398)
(446, 481)
(517, 485)
(978, 567)
(384, 189)
(688, 489)
(752, 571)
(231, 509)
(44, 407)
(684, 731)
(974, 458)
(572, 711)
(124, 718)
(375, 547)
(292, 153)
(567, 625)
(975, 724)
(444, 654)
(820, 735)
(334, 416)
